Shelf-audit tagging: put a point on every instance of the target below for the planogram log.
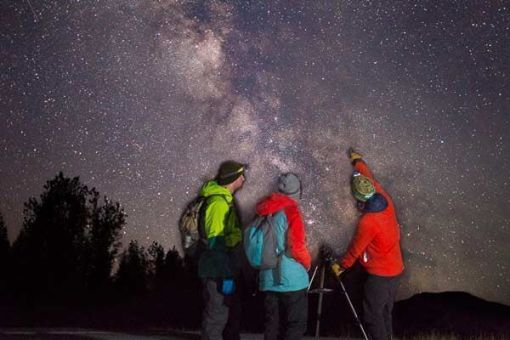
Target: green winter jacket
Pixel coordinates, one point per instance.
(223, 233)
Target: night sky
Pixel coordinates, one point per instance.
(144, 99)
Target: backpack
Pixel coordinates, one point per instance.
(191, 227)
(260, 243)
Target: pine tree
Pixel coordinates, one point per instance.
(49, 251)
(157, 265)
(106, 223)
(174, 265)
(4, 254)
(131, 278)
(67, 244)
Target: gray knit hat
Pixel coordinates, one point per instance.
(290, 185)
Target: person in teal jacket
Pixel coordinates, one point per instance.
(219, 265)
(286, 301)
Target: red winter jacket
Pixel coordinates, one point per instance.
(376, 242)
(296, 237)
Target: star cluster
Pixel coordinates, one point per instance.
(144, 99)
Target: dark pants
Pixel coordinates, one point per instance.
(286, 315)
(221, 317)
(378, 298)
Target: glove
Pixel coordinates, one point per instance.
(353, 155)
(337, 269)
(228, 286)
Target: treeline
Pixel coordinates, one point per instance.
(67, 267)
(62, 270)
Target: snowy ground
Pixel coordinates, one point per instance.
(77, 334)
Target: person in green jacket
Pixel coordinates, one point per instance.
(219, 265)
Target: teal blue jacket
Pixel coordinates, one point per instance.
(290, 275)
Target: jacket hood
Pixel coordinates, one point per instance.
(213, 188)
(275, 202)
(375, 203)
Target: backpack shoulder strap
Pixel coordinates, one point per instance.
(273, 225)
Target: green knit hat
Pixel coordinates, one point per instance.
(229, 171)
(362, 187)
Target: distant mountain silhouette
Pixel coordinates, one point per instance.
(450, 312)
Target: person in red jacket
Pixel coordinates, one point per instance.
(376, 245)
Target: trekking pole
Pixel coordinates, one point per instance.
(358, 321)
(313, 277)
(327, 256)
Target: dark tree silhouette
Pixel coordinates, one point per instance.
(184, 290)
(50, 248)
(106, 223)
(131, 278)
(156, 270)
(174, 265)
(4, 255)
(4, 240)
(67, 245)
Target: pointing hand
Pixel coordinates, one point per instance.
(354, 155)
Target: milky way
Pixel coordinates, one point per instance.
(144, 99)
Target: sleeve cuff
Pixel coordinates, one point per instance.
(356, 161)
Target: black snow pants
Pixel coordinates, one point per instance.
(285, 315)
(378, 298)
(221, 317)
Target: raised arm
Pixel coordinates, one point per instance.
(360, 166)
